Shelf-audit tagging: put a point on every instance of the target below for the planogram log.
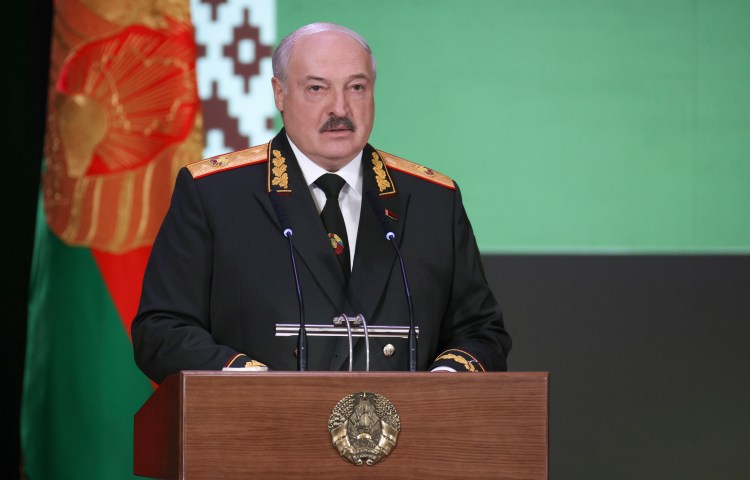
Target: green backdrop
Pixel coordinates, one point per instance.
(576, 126)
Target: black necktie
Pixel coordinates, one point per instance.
(333, 220)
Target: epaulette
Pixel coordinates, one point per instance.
(416, 170)
(228, 161)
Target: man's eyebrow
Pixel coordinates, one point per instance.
(356, 76)
(363, 76)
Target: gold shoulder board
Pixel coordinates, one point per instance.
(229, 161)
(416, 170)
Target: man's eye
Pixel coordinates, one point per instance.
(315, 88)
(358, 87)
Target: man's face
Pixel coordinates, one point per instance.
(329, 81)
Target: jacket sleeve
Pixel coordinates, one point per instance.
(170, 331)
(473, 335)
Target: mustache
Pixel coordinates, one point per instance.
(334, 123)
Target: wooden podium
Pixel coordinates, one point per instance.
(274, 425)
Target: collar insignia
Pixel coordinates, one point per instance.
(280, 180)
(382, 177)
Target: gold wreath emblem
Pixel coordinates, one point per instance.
(364, 427)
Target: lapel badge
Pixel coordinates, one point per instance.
(364, 427)
(337, 243)
(391, 215)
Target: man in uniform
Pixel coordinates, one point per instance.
(222, 274)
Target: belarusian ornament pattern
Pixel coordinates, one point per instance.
(235, 42)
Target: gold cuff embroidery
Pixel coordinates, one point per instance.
(466, 359)
(254, 363)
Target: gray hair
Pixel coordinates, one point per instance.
(281, 56)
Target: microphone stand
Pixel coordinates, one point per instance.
(287, 232)
(349, 336)
(358, 320)
(412, 330)
(302, 337)
(367, 342)
(390, 236)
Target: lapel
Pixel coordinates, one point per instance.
(375, 257)
(309, 237)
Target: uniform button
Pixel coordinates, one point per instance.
(389, 350)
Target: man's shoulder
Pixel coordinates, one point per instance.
(228, 161)
(413, 169)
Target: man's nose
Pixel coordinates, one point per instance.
(339, 104)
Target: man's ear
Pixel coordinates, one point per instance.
(278, 94)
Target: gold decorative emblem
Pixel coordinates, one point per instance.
(426, 171)
(280, 177)
(364, 427)
(381, 176)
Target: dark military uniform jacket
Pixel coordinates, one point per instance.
(220, 275)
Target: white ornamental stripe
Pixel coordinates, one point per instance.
(252, 108)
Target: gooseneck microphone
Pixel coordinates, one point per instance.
(286, 229)
(359, 320)
(377, 207)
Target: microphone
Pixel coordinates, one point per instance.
(377, 207)
(286, 229)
